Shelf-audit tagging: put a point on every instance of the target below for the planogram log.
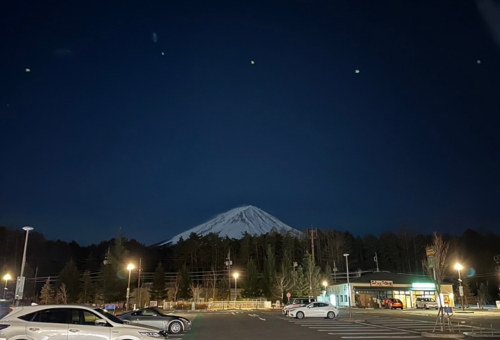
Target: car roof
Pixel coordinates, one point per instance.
(23, 310)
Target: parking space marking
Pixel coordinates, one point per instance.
(382, 337)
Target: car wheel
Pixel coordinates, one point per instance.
(330, 315)
(175, 327)
(300, 315)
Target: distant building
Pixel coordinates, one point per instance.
(371, 290)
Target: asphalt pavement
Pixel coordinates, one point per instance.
(365, 324)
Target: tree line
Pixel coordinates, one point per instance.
(269, 265)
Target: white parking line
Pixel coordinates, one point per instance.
(377, 334)
(381, 337)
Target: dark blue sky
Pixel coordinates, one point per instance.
(106, 132)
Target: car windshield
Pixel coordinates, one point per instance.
(108, 315)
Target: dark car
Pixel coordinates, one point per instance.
(153, 317)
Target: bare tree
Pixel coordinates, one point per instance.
(436, 267)
(196, 289)
(175, 286)
(284, 281)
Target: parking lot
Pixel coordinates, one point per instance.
(371, 324)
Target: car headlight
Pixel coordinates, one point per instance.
(151, 334)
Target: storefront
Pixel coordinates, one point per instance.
(371, 290)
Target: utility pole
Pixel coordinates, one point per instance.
(228, 264)
(314, 234)
(335, 269)
(139, 283)
(34, 284)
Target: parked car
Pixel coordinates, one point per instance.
(4, 308)
(393, 303)
(71, 322)
(315, 309)
(298, 302)
(426, 303)
(153, 317)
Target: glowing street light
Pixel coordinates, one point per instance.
(6, 277)
(459, 267)
(235, 275)
(348, 285)
(129, 268)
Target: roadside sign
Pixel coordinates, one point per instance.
(461, 290)
(429, 251)
(20, 287)
(288, 295)
(109, 307)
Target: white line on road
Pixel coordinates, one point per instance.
(381, 337)
(356, 333)
(262, 319)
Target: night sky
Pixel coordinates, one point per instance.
(151, 116)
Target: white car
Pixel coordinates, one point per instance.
(71, 322)
(315, 310)
(298, 302)
(426, 303)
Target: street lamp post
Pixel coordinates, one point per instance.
(6, 277)
(129, 267)
(459, 267)
(348, 285)
(235, 285)
(20, 280)
(325, 284)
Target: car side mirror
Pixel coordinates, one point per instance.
(101, 322)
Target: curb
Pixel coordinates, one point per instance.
(443, 335)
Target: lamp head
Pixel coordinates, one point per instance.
(346, 254)
(28, 228)
(130, 266)
(7, 277)
(325, 283)
(458, 266)
(236, 275)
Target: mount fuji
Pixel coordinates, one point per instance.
(235, 222)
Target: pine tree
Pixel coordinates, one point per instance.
(483, 295)
(158, 291)
(62, 295)
(269, 277)
(47, 293)
(312, 274)
(222, 289)
(87, 288)
(300, 286)
(184, 289)
(250, 287)
(70, 277)
(114, 272)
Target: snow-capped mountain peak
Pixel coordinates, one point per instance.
(235, 222)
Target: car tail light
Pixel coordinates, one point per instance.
(3, 326)
(118, 316)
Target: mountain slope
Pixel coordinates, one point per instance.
(235, 222)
